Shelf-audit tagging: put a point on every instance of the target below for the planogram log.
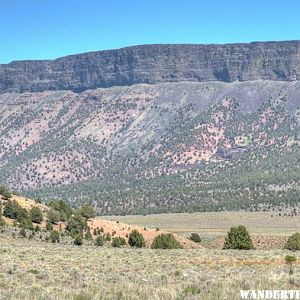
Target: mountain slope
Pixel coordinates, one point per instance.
(155, 148)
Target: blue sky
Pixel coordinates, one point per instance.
(42, 29)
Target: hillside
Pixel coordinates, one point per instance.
(113, 228)
(173, 146)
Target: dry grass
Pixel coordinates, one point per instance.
(31, 270)
(267, 228)
(218, 222)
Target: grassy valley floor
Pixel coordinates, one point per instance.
(269, 229)
(32, 270)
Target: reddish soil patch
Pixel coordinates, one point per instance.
(116, 229)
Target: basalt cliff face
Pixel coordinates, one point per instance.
(156, 128)
(156, 64)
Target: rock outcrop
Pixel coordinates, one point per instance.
(155, 64)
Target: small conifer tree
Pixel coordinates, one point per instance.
(293, 243)
(78, 240)
(136, 239)
(238, 238)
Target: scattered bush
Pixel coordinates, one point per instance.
(293, 243)
(75, 226)
(23, 233)
(136, 239)
(78, 240)
(11, 209)
(33, 271)
(36, 215)
(87, 211)
(238, 238)
(54, 236)
(62, 216)
(191, 290)
(4, 192)
(26, 223)
(100, 241)
(290, 259)
(2, 222)
(88, 235)
(165, 241)
(53, 216)
(118, 242)
(23, 215)
(49, 226)
(195, 237)
(63, 208)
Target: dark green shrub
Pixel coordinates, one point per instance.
(22, 232)
(165, 241)
(33, 271)
(64, 209)
(88, 235)
(293, 243)
(5, 192)
(118, 242)
(87, 211)
(54, 236)
(99, 241)
(62, 216)
(191, 290)
(195, 237)
(26, 223)
(49, 226)
(238, 238)
(11, 209)
(36, 215)
(136, 239)
(2, 222)
(290, 259)
(23, 215)
(53, 216)
(78, 240)
(75, 226)
(37, 228)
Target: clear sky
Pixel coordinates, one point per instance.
(44, 29)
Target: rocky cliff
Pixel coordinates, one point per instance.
(156, 64)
